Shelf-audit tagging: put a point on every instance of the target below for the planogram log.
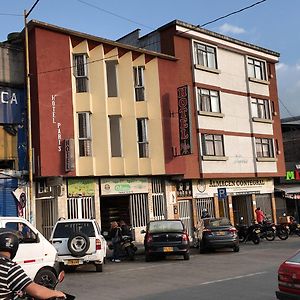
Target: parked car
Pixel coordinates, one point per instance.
(219, 233)
(35, 254)
(166, 237)
(289, 279)
(78, 242)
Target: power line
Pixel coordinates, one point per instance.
(8, 14)
(287, 110)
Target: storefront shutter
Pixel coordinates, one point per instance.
(8, 202)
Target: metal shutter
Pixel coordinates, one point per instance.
(8, 202)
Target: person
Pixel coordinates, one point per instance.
(260, 216)
(13, 280)
(204, 214)
(125, 230)
(116, 237)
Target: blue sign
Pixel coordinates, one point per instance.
(222, 193)
(10, 105)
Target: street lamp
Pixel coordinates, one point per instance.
(30, 169)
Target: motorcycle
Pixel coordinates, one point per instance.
(282, 231)
(248, 233)
(267, 230)
(128, 248)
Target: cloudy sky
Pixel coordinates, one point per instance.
(272, 24)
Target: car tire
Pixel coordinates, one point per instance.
(78, 244)
(202, 248)
(99, 267)
(186, 256)
(236, 248)
(47, 278)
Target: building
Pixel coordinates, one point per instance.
(227, 140)
(13, 146)
(287, 188)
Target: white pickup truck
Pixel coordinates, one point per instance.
(36, 254)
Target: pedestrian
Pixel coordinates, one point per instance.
(116, 237)
(205, 214)
(125, 229)
(13, 280)
(260, 216)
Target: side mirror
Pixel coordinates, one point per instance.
(143, 231)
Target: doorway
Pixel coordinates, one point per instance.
(242, 207)
(186, 215)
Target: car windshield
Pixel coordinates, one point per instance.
(165, 226)
(216, 222)
(295, 258)
(64, 230)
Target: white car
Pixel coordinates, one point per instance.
(35, 254)
(78, 242)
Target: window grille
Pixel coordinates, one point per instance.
(85, 140)
(81, 72)
(139, 210)
(159, 200)
(139, 83)
(81, 208)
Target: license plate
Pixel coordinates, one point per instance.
(168, 249)
(220, 233)
(73, 262)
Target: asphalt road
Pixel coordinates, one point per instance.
(249, 274)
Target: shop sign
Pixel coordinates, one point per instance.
(115, 186)
(79, 187)
(69, 155)
(292, 175)
(184, 120)
(210, 188)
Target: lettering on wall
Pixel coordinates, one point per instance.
(58, 124)
(10, 105)
(292, 175)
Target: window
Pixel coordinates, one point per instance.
(85, 140)
(264, 147)
(80, 72)
(257, 69)
(142, 137)
(212, 145)
(260, 109)
(111, 76)
(42, 187)
(205, 56)
(139, 83)
(24, 233)
(115, 136)
(208, 100)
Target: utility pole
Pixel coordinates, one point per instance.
(29, 133)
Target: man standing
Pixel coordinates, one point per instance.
(259, 215)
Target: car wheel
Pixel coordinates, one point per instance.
(78, 244)
(186, 256)
(99, 267)
(46, 278)
(202, 248)
(236, 248)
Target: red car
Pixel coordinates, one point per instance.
(289, 279)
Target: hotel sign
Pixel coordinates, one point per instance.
(184, 120)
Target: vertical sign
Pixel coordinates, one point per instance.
(69, 155)
(184, 120)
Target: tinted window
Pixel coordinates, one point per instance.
(166, 226)
(295, 259)
(64, 230)
(216, 222)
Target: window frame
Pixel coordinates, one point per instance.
(203, 53)
(139, 83)
(203, 107)
(214, 142)
(264, 142)
(112, 134)
(254, 64)
(142, 140)
(82, 140)
(81, 80)
(261, 108)
(110, 88)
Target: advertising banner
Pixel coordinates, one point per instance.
(115, 186)
(81, 187)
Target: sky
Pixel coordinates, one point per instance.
(273, 24)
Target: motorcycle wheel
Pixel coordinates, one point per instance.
(256, 240)
(282, 234)
(130, 253)
(270, 235)
(242, 238)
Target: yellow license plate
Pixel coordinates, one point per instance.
(221, 233)
(168, 249)
(73, 262)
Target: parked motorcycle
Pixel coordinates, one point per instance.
(267, 230)
(128, 248)
(248, 233)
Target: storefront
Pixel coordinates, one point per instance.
(235, 198)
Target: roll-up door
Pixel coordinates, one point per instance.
(8, 202)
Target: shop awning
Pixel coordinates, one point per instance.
(290, 190)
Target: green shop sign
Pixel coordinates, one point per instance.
(81, 187)
(124, 186)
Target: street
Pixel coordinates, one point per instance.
(249, 274)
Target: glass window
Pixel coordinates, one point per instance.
(85, 138)
(115, 136)
(142, 137)
(260, 108)
(208, 100)
(111, 76)
(257, 69)
(81, 72)
(139, 83)
(64, 230)
(205, 55)
(212, 145)
(264, 147)
(25, 234)
(165, 226)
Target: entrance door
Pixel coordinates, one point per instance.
(49, 215)
(242, 207)
(186, 215)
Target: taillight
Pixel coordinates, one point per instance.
(149, 238)
(185, 237)
(207, 230)
(98, 244)
(232, 230)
